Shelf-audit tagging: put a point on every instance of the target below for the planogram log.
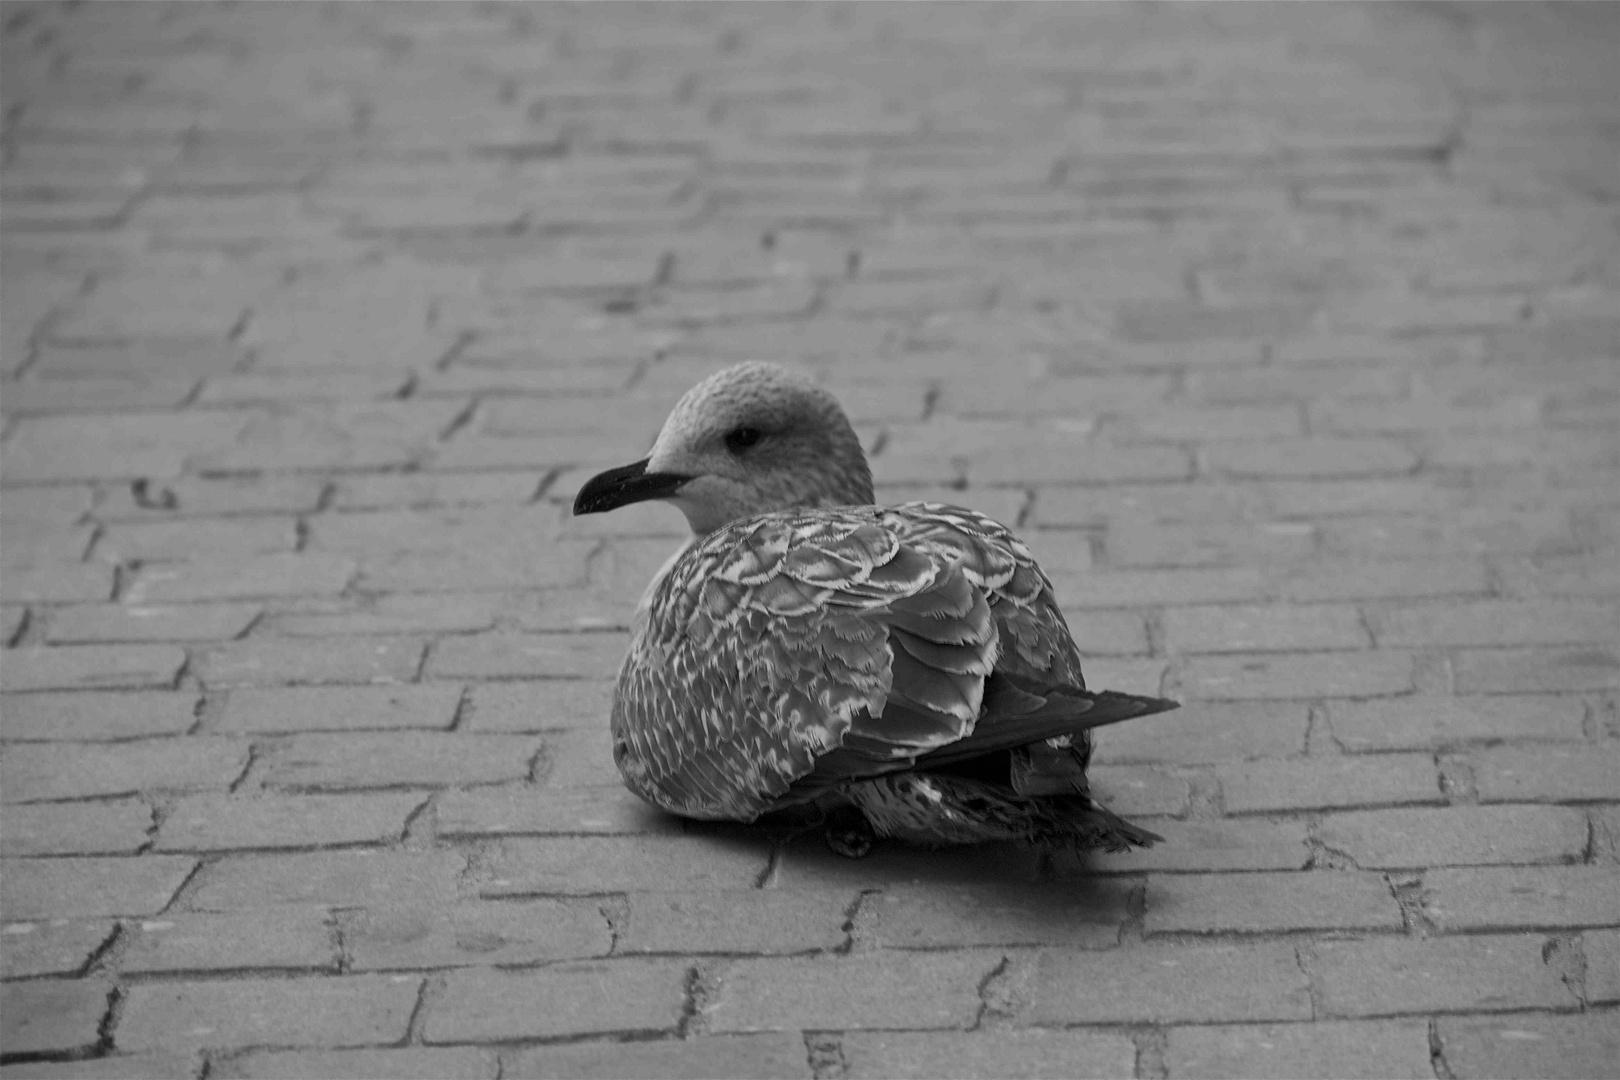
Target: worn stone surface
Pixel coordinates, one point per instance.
(1285, 337)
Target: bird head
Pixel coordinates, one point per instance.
(748, 440)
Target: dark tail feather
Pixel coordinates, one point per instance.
(1082, 824)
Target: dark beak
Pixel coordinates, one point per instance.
(625, 485)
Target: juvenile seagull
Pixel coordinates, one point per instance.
(906, 667)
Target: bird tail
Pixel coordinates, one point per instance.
(1079, 823)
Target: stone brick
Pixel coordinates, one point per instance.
(1135, 790)
(115, 447)
(527, 656)
(384, 759)
(192, 496)
(174, 541)
(1530, 1046)
(1134, 543)
(295, 938)
(249, 388)
(1456, 835)
(327, 1012)
(1528, 671)
(1232, 844)
(1498, 622)
(1198, 733)
(1167, 984)
(753, 922)
(1076, 913)
(338, 434)
(563, 999)
(519, 564)
(51, 1015)
(83, 888)
(1390, 976)
(263, 661)
(339, 708)
(1269, 902)
(1198, 423)
(1425, 723)
(1296, 675)
(390, 490)
(1602, 949)
(118, 1067)
(482, 933)
(230, 822)
(405, 1063)
(1548, 773)
(1242, 628)
(516, 810)
(434, 613)
(1318, 783)
(862, 991)
(1321, 1051)
(1384, 579)
(106, 828)
(91, 667)
(574, 865)
(99, 623)
(326, 878)
(987, 1054)
(54, 947)
(1315, 457)
(725, 1057)
(57, 583)
(36, 771)
(1522, 898)
(262, 576)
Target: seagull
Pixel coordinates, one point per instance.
(904, 669)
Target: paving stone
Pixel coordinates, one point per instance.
(1456, 835)
(1314, 457)
(1528, 671)
(574, 865)
(516, 564)
(1269, 902)
(1323, 1050)
(564, 999)
(193, 497)
(117, 827)
(407, 1063)
(390, 490)
(411, 936)
(1530, 1045)
(1498, 622)
(723, 1057)
(521, 809)
(1296, 675)
(38, 771)
(51, 947)
(527, 656)
(230, 822)
(314, 574)
(52, 1015)
(1548, 773)
(1076, 914)
(91, 667)
(872, 990)
(1515, 897)
(1198, 733)
(115, 447)
(1390, 976)
(52, 582)
(400, 614)
(327, 761)
(743, 923)
(1167, 984)
(341, 1011)
(1003, 1053)
(339, 708)
(100, 623)
(82, 888)
(1602, 950)
(1235, 628)
(293, 938)
(282, 661)
(1424, 723)
(177, 541)
(326, 878)
(1384, 579)
(1138, 791)
(1228, 844)
(1324, 783)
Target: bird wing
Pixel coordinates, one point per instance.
(820, 645)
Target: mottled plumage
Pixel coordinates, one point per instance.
(908, 661)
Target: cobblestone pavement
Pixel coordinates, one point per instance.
(1287, 335)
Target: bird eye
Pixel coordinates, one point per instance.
(742, 438)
